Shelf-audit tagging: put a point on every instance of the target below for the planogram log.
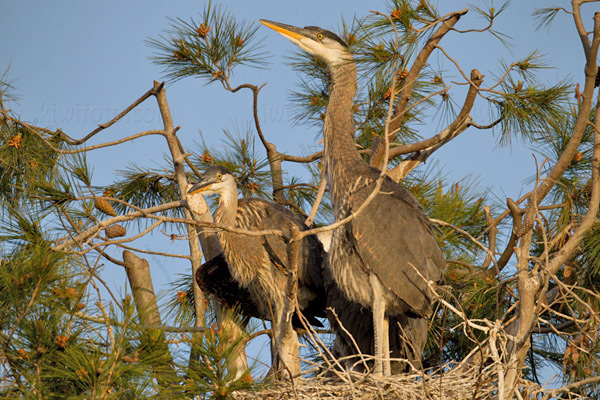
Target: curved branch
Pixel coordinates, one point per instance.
(101, 127)
(411, 78)
(566, 252)
(255, 89)
(449, 132)
(119, 241)
(424, 149)
(307, 159)
(273, 156)
(583, 35)
(556, 392)
(315, 207)
(63, 243)
(572, 147)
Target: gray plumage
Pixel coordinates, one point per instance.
(258, 263)
(373, 258)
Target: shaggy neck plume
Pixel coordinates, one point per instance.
(227, 210)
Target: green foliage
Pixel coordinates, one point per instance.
(212, 376)
(489, 14)
(24, 159)
(405, 17)
(39, 293)
(526, 106)
(210, 48)
(19, 226)
(179, 308)
(530, 111)
(144, 188)
(545, 16)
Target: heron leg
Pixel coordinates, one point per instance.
(387, 364)
(379, 325)
(274, 352)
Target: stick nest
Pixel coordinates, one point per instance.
(453, 384)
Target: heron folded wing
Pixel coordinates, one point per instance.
(394, 240)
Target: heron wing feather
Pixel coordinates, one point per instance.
(394, 238)
(268, 215)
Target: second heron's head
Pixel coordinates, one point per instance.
(215, 180)
(314, 40)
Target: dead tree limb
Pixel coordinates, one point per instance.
(273, 156)
(287, 338)
(532, 283)
(209, 242)
(140, 280)
(570, 151)
(404, 96)
(423, 150)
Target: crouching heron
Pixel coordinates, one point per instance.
(257, 264)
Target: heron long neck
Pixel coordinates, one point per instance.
(227, 209)
(342, 160)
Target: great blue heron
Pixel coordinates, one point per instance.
(253, 269)
(375, 257)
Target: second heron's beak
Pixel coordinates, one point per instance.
(288, 31)
(199, 187)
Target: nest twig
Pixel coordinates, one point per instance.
(451, 384)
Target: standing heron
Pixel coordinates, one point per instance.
(256, 265)
(375, 257)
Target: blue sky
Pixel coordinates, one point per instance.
(76, 64)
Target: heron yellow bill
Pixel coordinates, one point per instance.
(285, 30)
(197, 188)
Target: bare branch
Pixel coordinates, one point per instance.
(313, 211)
(287, 339)
(572, 147)
(492, 232)
(449, 132)
(423, 150)
(405, 93)
(273, 156)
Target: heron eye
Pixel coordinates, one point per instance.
(320, 36)
(219, 176)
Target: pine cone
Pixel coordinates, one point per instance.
(104, 206)
(114, 231)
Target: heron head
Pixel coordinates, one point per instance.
(314, 40)
(215, 180)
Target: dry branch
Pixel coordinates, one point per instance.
(287, 338)
(570, 151)
(140, 280)
(423, 150)
(404, 96)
